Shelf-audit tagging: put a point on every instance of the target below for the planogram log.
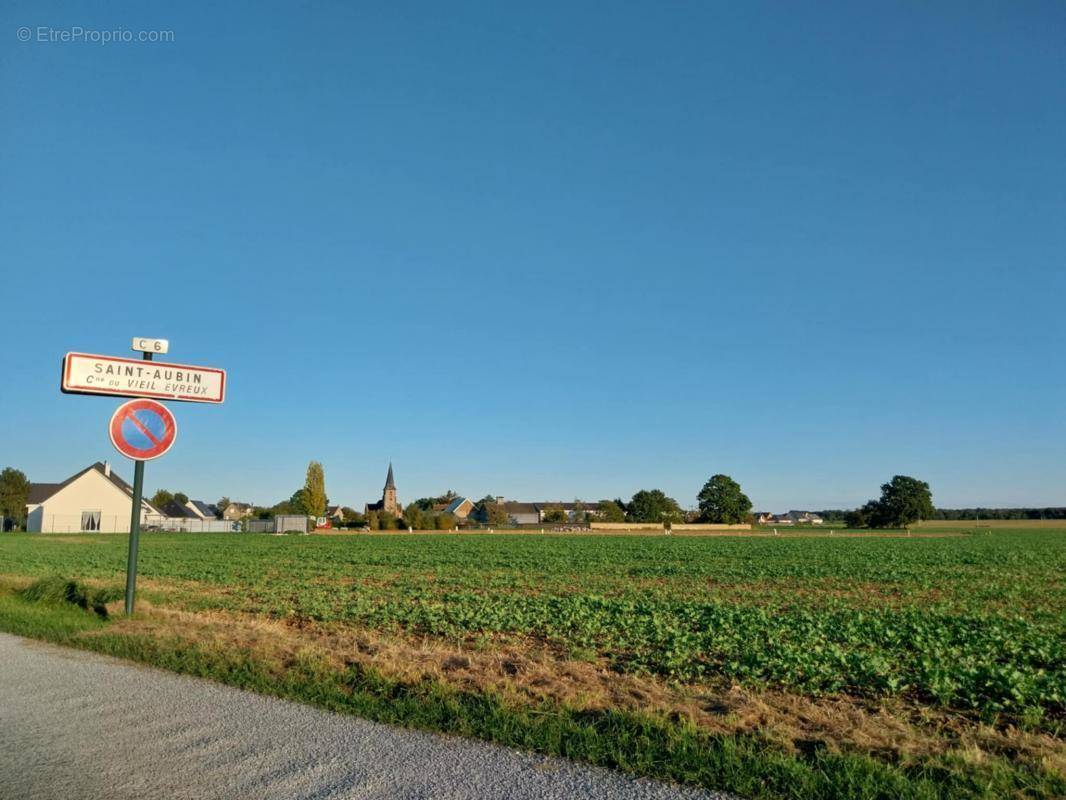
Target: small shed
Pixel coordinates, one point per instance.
(288, 523)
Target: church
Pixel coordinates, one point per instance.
(388, 498)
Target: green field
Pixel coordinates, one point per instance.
(798, 665)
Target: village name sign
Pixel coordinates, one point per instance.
(144, 428)
(128, 377)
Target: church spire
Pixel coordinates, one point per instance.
(390, 482)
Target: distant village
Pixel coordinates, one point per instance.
(98, 499)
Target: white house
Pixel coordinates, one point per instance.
(805, 518)
(791, 518)
(95, 499)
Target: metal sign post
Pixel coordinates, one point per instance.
(135, 527)
(135, 536)
(141, 430)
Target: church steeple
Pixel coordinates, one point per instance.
(388, 496)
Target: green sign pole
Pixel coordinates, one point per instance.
(135, 529)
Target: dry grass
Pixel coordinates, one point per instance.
(529, 673)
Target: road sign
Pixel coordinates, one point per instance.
(142, 429)
(131, 377)
(143, 345)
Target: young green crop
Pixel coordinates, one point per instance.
(973, 622)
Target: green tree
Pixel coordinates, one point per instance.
(14, 494)
(387, 521)
(654, 506)
(222, 503)
(496, 515)
(860, 517)
(415, 517)
(181, 497)
(161, 498)
(427, 503)
(581, 514)
(315, 490)
(554, 514)
(722, 501)
(491, 513)
(904, 501)
(610, 511)
(444, 522)
(373, 521)
(297, 504)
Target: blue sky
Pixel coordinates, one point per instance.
(549, 250)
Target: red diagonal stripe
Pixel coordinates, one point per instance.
(133, 418)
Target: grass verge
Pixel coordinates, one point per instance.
(650, 745)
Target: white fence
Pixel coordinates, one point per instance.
(282, 523)
(39, 522)
(190, 525)
(120, 523)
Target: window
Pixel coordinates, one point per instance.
(90, 520)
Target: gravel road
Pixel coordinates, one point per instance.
(81, 726)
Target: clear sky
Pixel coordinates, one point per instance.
(548, 250)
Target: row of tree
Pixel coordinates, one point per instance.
(721, 500)
(309, 500)
(1050, 512)
(904, 500)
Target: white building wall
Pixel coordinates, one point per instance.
(34, 519)
(62, 512)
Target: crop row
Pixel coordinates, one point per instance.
(994, 640)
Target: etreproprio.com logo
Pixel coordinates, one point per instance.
(76, 34)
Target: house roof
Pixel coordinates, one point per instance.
(800, 514)
(41, 492)
(512, 507)
(207, 509)
(456, 504)
(332, 510)
(241, 506)
(175, 510)
(390, 482)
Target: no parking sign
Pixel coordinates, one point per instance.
(142, 429)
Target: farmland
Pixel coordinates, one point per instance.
(777, 666)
